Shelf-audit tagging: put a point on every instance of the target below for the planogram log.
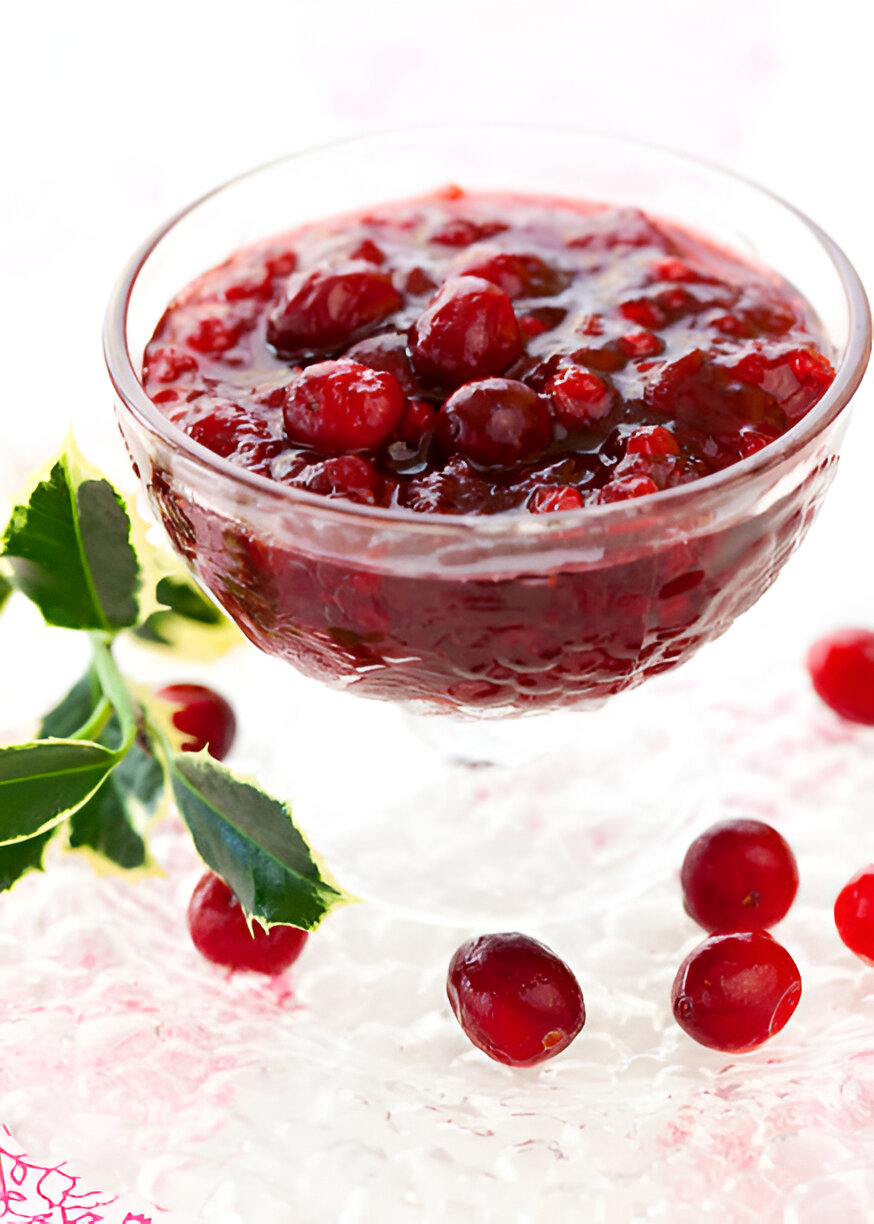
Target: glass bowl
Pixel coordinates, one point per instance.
(470, 614)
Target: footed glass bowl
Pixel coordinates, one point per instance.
(471, 614)
(485, 616)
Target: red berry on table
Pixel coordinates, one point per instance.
(203, 716)
(338, 406)
(468, 331)
(495, 421)
(220, 933)
(739, 875)
(854, 914)
(736, 990)
(841, 666)
(326, 309)
(515, 999)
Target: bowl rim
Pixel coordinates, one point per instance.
(667, 503)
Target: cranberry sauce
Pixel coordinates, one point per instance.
(478, 355)
(469, 354)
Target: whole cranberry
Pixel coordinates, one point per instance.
(204, 716)
(736, 990)
(854, 914)
(351, 477)
(841, 666)
(386, 352)
(549, 498)
(517, 275)
(494, 422)
(739, 875)
(468, 331)
(579, 397)
(338, 406)
(320, 311)
(515, 999)
(220, 933)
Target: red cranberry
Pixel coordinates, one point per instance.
(739, 875)
(854, 914)
(641, 344)
(338, 406)
(462, 232)
(796, 378)
(549, 498)
(579, 397)
(514, 998)
(841, 667)
(319, 311)
(418, 419)
(494, 422)
(348, 476)
(644, 312)
(213, 336)
(626, 488)
(225, 428)
(166, 365)
(652, 441)
(468, 331)
(516, 275)
(386, 352)
(204, 716)
(220, 933)
(736, 990)
(606, 360)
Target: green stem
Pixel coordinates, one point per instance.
(114, 689)
(96, 722)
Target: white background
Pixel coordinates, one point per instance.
(116, 114)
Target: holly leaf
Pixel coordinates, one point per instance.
(43, 782)
(186, 621)
(5, 591)
(250, 840)
(70, 551)
(16, 860)
(73, 710)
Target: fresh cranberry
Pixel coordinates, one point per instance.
(739, 875)
(468, 331)
(319, 311)
(494, 422)
(338, 406)
(736, 990)
(514, 998)
(203, 716)
(220, 933)
(854, 914)
(579, 397)
(841, 666)
(549, 498)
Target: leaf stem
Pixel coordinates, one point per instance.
(95, 724)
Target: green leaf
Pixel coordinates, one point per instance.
(109, 822)
(186, 622)
(73, 710)
(249, 839)
(43, 782)
(5, 591)
(70, 550)
(16, 860)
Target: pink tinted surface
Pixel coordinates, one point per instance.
(160, 1077)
